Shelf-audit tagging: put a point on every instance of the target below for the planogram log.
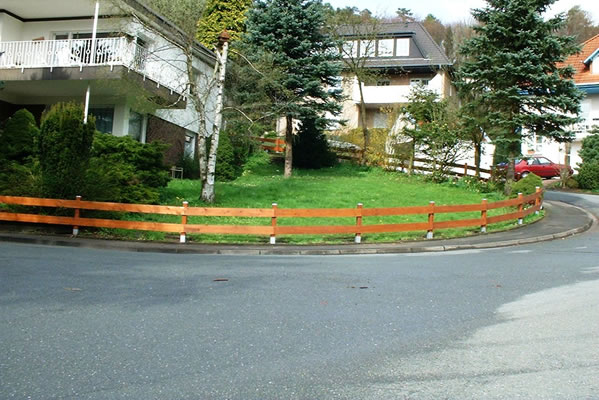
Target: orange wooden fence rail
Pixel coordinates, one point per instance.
(522, 206)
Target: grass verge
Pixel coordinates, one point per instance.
(342, 186)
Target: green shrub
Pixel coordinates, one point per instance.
(572, 182)
(191, 167)
(526, 185)
(126, 171)
(19, 136)
(310, 147)
(588, 175)
(64, 150)
(590, 147)
(20, 179)
(257, 163)
(225, 159)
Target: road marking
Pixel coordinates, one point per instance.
(593, 270)
(520, 251)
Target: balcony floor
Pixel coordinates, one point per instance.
(34, 85)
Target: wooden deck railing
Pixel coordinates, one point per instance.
(521, 207)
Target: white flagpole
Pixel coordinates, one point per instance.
(91, 58)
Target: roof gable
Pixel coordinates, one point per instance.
(582, 62)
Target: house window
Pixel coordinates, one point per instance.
(419, 81)
(135, 125)
(403, 47)
(190, 145)
(383, 82)
(595, 66)
(367, 48)
(385, 48)
(380, 119)
(104, 118)
(350, 49)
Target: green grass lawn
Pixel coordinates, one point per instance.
(340, 187)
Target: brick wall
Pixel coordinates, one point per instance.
(173, 135)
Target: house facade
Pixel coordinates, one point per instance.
(401, 55)
(586, 78)
(134, 77)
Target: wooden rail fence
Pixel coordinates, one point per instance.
(277, 145)
(522, 206)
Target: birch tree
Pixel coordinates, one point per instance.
(177, 22)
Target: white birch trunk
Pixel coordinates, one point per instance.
(208, 184)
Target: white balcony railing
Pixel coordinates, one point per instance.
(78, 53)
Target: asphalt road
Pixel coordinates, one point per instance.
(518, 322)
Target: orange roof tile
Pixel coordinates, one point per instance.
(583, 73)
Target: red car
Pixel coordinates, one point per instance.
(540, 166)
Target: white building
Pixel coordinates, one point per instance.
(136, 75)
(403, 54)
(586, 65)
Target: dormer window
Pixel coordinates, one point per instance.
(403, 47)
(595, 66)
(385, 47)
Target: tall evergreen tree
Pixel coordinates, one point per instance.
(220, 15)
(290, 33)
(512, 67)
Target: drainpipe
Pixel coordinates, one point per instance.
(91, 58)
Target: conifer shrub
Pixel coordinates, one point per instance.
(226, 170)
(126, 171)
(18, 136)
(64, 150)
(526, 185)
(588, 175)
(310, 147)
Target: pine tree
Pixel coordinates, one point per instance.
(512, 69)
(220, 15)
(290, 33)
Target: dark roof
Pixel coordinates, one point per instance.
(424, 52)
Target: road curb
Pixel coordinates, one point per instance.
(281, 250)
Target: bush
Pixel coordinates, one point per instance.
(526, 185)
(191, 167)
(64, 150)
(572, 182)
(257, 163)
(588, 175)
(590, 147)
(126, 171)
(225, 159)
(310, 147)
(19, 136)
(20, 179)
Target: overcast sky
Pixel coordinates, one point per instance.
(451, 11)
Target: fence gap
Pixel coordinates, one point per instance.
(537, 199)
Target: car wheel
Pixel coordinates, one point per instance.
(523, 175)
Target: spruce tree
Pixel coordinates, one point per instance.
(512, 68)
(290, 34)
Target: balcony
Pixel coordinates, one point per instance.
(77, 53)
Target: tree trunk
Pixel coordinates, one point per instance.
(477, 157)
(412, 156)
(208, 184)
(288, 146)
(365, 131)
